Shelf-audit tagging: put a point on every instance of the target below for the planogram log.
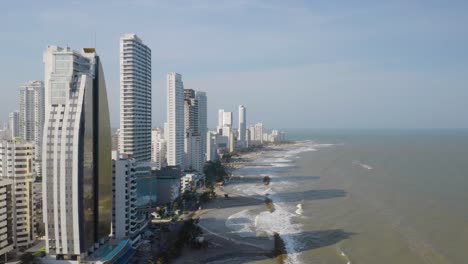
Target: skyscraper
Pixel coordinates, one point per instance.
(13, 124)
(158, 148)
(175, 120)
(77, 169)
(220, 120)
(227, 119)
(242, 125)
(202, 120)
(135, 98)
(193, 149)
(190, 112)
(258, 133)
(31, 119)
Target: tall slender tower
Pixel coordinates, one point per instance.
(194, 158)
(135, 98)
(31, 119)
(220, 121)
(14, 124)
(175, 120)
(77, 168)
(242, 125)
(202, 120)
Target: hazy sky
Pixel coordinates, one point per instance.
(293, 64)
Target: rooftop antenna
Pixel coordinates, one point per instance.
(95, 40)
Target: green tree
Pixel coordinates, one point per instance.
(40, 229)
(214, 171)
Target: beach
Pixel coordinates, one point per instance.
(222, 224)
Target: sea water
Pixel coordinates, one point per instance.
(362, 197)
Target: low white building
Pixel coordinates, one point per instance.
(124, 220)
(190, 181)
(6, 220)
(17, 165)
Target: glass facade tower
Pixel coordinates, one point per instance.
(76, 160)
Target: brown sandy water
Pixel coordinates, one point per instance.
(370, 198)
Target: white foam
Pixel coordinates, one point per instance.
(299, 210)
(281, 219)
(345, 257)
(362, 165)
(241, 223)
(366, 166)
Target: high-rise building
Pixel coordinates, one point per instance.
(17, 165)
(242, 125)
(247, 138)
(14, 124)
(211, 146)
(77, 165)
(227, 119)
(202, 120)
(31, 119)
(6, 217)
(190, 112)
(124, 223)
(194, 157)
(175, 120)
(135, 98)
(158, 148)
(220, 120)
(193, 153)
(115, 140)
(258, 133)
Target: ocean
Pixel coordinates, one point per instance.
(362, 197)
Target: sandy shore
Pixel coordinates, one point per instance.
(226, 245)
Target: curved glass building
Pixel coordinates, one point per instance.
(77, 168)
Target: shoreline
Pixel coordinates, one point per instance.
(224, 243)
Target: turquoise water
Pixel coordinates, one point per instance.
(369, 197)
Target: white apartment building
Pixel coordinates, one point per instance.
(115, 140)
(17, 165)
(190, 181)
(158, 148)
(175, 120)
(124, 221)
(220, 121)
(6, 217)
(135, 98)
(227, 119)
(193, 153)
(258, 131)
(31, 118)
(14, 124)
